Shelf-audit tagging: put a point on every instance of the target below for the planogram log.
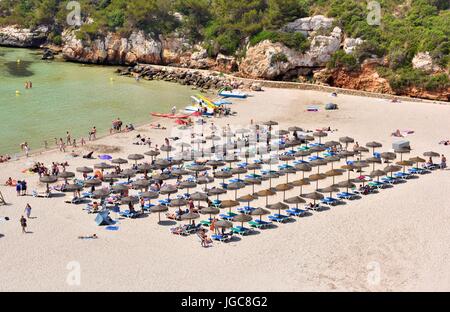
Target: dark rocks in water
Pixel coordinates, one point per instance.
(48, 55)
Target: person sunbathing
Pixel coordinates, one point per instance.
(93, 236)
(397, 134)
(9, 182)
(447, 142)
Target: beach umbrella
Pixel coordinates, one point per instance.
(190, 216)
(149, 195)
(198, 168)
(235, 186)
(331, 144)
(242, 218)
(168, 190)
(167, 149)
(205, 180)
(135, 157)
(178, 202)
(317, 149)
(334, 173)
(283, 188)
(392, 168)
(246, 199)
(210, 210)
(348, 168)
(239, 171)
(198, 196)
(417, 160)
(377, 174)
(254, 167)
(301, 183)
(316, 178)
(388, 156)
(178, 172)
(141, 184)
(229, 204)
(431, 154)
(281, 132)
(92, 182)
(346, 140)
(346, 184)
(266, 194)
(84, 170)
(295, 128)
(304, 168)
(296, 200)
(100, 194)
(373, 161)
(187, 185)
(278, 206)
(183, 145)
(66, 175)
(330, 189)
(110, 177)
(145, 168)
(315, 196)
(286, 158)
(160, 176)
(404, 164)
(253, 182)
(128, 173)
(152, 153)
(402, 151)
(346, 154)
(260, 212)
(373, 145)
(119, 188)
(307, 138)
(359, 164)
(224, 224)
(215, 163)
(102, 166)
(271, 175)
(72, 188)
(270, 123)
(159, 209)
(215, 191)
(129, 200)
(223, 175)
(119, 161)
(302, 153)
(318, 163)
(320, 135)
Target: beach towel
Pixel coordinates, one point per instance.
(312, 109)
(112, 228)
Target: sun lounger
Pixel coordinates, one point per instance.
(330, 201)
(43, 194)
(206, 223)
(345, 195)
(241, 230)
(278, 218)
(221, 238)
(130, 215)
(180, 230)
(296, 212)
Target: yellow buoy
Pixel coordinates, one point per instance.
(111, 79)
(17, 92)
(18, 61)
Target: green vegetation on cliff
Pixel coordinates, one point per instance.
(228, 26)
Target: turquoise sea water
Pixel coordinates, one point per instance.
(74, 97)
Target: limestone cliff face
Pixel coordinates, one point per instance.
(112, 49)
(15, 36)
(270, 60)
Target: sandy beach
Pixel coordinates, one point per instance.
(396, 240)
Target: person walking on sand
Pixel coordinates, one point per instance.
(82, 142)
(28, 211)
(62, 146)
(68, 138)
(19, 187)
(443, 162)
(23, 224)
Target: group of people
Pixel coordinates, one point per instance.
(28, 85)
(4, 158)
(23, 220)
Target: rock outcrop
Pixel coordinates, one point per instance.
(350, 44)
(270, 60)
(308, 25)
(15, 36)
(424, 61)
(112, 49)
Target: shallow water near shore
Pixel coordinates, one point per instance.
(72, 97)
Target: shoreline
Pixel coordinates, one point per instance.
(263, 82)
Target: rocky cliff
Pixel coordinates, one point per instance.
(14, 36)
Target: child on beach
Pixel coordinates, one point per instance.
(23, 224)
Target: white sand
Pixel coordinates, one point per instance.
(404, 230)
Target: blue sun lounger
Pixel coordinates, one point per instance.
(259, 224)
(345, 195)
(330, 201)
(296, 212)
(221, 238)
(278, 218)
(241, 230)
